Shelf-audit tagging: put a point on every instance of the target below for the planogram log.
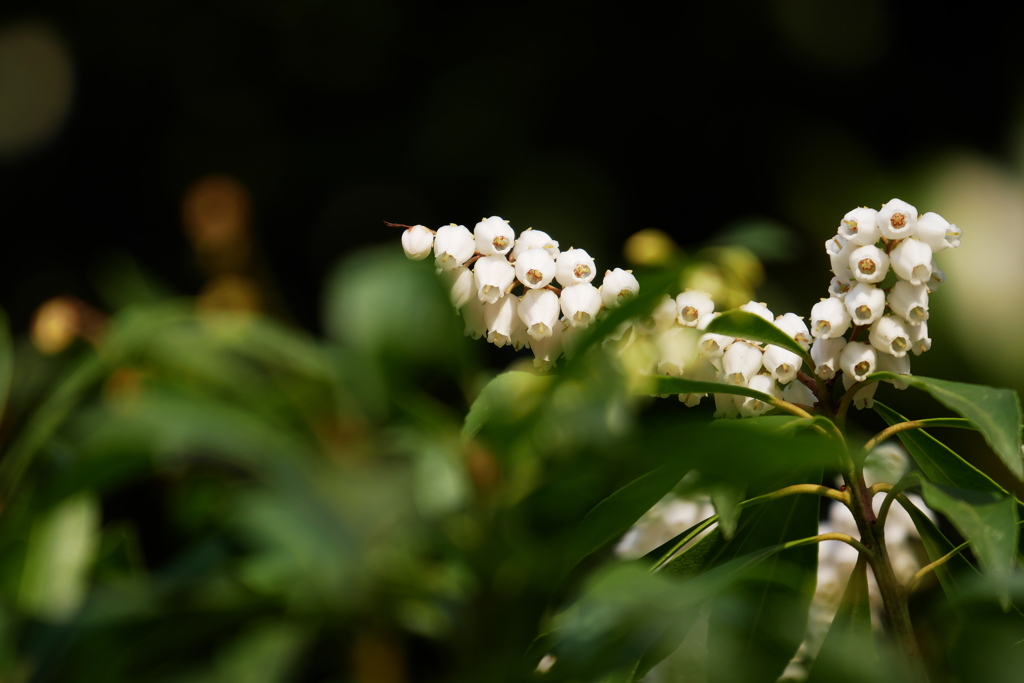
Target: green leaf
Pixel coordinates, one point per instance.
(938, 463)
(996, 413)
(937, 545)
(613, 516)
(744, 325)
(696, 558)
(762, 622)
(988, 520)
(726, 499)
(663, 384)
(6, 361)
(849, 644)
(508, 398)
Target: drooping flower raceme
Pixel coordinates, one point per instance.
(527, 292)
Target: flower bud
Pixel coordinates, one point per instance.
(453, 246)
(825, 354)
(865, 303)
(580, 303)
(937, 232)
(574, 267)
(912, 259)
(499, 318)
(535, 239)
(869, 264)
(417, 242)
(535, 268)
(859, 226)
(908, 301)
(693, 305)
(494, 236)
(794, 326)
(493, 276)
(829, 319)
(539, 310)
(618, 287)
(890, 334)
(740, 362)
(897, 219)
(858, 360)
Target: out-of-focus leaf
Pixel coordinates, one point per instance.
(6, 361)
(613, 516)
(996, 413)
(988, 520)
(265, 653)
(508, 398)
(61, 548)
(744, 325)
(761, 622)
(849, 644)
(662, 384)
(951, 574)
(726, 499)
(696, 558)
(940, 464)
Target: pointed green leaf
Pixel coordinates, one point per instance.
(988, 520)
(613, 516)
(663, 384)
(761, 622)
(996, 413)
(940, 464)
(937, 545)
(744, 325)
(509, 397)
(726, 499)
(849, 644)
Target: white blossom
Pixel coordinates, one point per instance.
(829, 319)
(453, 246)
(825, 354)
(574, 267)
(858, 360)
(494, 236)
(547, 350)
(864, 398)
(911, 259)
(535, 239)
(662, 317)
(897, 219)
(890, 334)
(899, 365)
(493, 276)
(781, 363)
(461, 285)
(919, 339)
(865, 303)
(677, 350)
(752, 407)
(417, 242)
(740, 362)
(869, 264)
(758, 309)
(794, 326)
(909, 301)
(580, 303)
(693, 305)
(799, 394)
(499, 318)
(539, 310)
(535, 268)
(618, 287)
(937, 232)
(859, 226)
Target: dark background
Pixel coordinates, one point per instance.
(590, 121)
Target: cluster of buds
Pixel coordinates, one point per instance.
(884, 271)
(506, 288)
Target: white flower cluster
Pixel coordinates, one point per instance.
(486, 267)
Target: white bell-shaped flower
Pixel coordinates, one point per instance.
(701, 370)
(890, 334)
(825, 354)
(453, 246)
(539, 310)
(890, 363)
(912, 261)
(919, 339)
(661, 318)
(499, 318)
(865, 303)
(829, 318)
(473, 317)
(493, 276)
(535, 239)
(494, 236)
(859, 226)
(758, 309)
(908, 301)
(795, 327)
(858, 360)
(838, 250)
(740, 362)
(897, 219)
(519, 338)
(752, 407)
(726, 406)
(937, 232)
(712, 345)
(781, 363)
(693, 305)
(574, 267)
(618, 287)
(837, 288)
(864, 398)
(580, 303)
(535, 268)
(677, 350)
(798, 393)
(461, 285)
(417, 242)
(547, 350)
(869, 264)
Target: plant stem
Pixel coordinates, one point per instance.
(894, 597)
